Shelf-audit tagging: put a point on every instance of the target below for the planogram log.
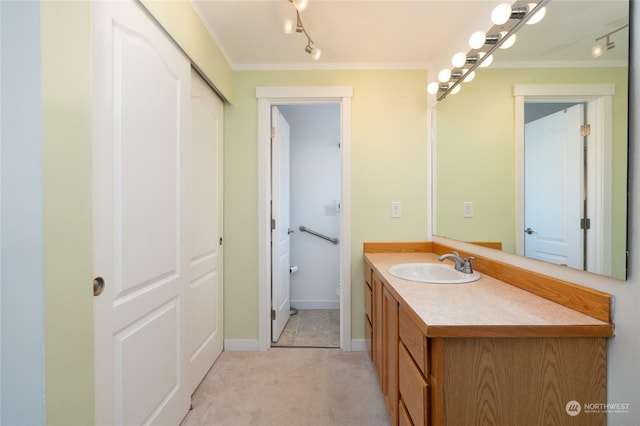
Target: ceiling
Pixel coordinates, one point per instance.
(401, 33)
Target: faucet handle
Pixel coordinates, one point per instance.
(467, 268)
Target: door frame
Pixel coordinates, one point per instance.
(292, 95)
(598, 98)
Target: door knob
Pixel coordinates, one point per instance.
(529, 231)
(98, 286)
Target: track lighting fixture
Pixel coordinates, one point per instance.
(600, 49)
(289, 28)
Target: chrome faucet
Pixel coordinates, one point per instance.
(462, 265)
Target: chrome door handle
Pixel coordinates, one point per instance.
(529, 231)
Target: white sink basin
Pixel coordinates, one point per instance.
(432, 273)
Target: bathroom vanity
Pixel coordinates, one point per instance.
(512, 348)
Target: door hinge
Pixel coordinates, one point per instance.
(273, 132)
(273, 224)
(585, 223)
(585, 130)
(273, 315)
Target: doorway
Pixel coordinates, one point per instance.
(269, 97)
(597, 99)
(306, 203)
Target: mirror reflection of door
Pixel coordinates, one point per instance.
(555, 184)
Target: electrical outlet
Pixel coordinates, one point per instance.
(396, 209)
(467, 208)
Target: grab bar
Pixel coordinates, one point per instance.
(317, 234)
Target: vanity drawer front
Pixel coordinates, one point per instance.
(414, 340)
(368, 275)
(414, 390)
(368, 298)
(403, 416)
(368, 336)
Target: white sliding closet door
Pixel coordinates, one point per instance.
(142, 237)
(206, 338)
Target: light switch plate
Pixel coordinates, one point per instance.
(396, 209)
(467, 208)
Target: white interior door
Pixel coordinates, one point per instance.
(206, 299)
(554, 187)
(141, 240)
(280, 212)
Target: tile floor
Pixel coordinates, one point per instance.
(312, 328)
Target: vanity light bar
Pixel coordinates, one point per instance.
(475, 60)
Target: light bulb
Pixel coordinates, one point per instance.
(459, 59)
(538, 16)
(455, 89)
(477, 39)
(444, 75)
(597, 51)
(432, 88)
(508, 42)
(289, 27)
(300, 5)
(501, 14)
(470, 77)
(316, 53)
(486, 62)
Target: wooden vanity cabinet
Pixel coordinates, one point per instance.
(486, 380)
(523, 363)
(454, 381)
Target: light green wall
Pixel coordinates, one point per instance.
(476, 152)
(186, 28)
(67, 210)
(389, 154)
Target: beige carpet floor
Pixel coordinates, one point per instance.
(312, 328)
(288, 387)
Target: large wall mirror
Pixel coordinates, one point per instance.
(531, 156)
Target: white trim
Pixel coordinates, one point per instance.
(554, 91)
(359, 345)
(304, 94)
(268, 96)
(560, 64)
(329, 66)
(241, 345)
(315, 304)
(599, 115)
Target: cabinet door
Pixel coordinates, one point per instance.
(390, 354)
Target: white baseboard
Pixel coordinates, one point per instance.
(240, 345)
(358, 345)
(313, 304)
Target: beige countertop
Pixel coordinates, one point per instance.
(484, 308)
